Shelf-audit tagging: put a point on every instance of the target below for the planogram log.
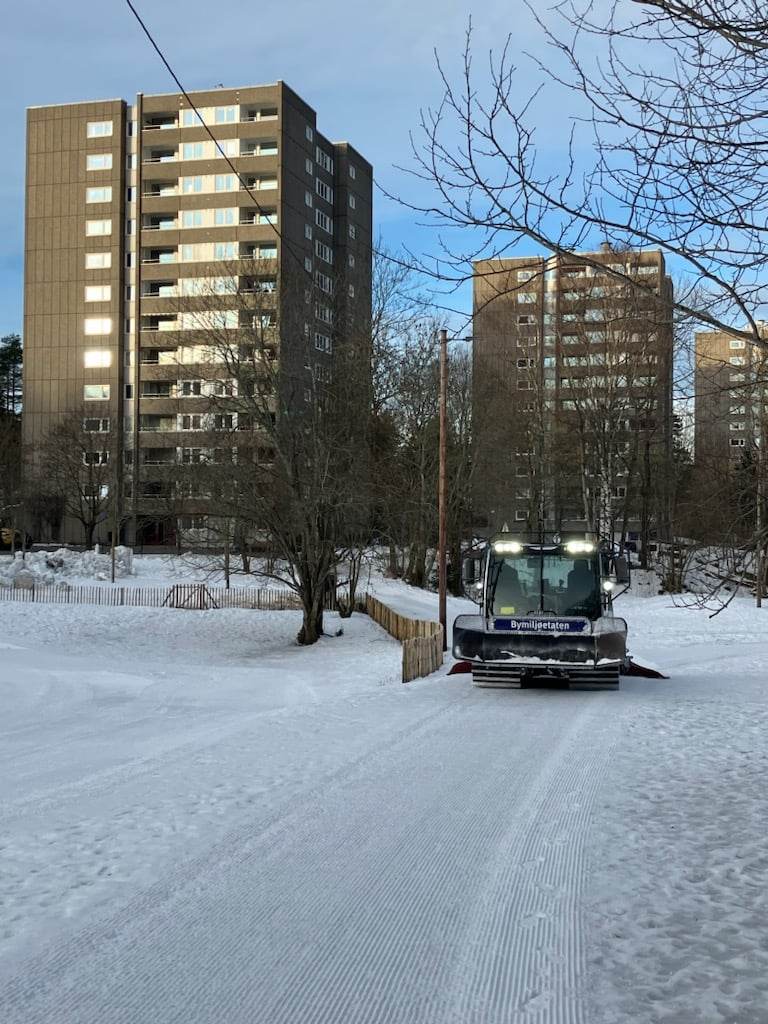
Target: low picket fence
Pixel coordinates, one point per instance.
(422, 639)
(190, 596)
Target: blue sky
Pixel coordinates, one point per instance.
(366, 69)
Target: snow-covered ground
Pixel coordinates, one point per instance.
(202, 822)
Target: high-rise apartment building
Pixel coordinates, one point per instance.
(572, 389)
(139, 225)
(729, 399)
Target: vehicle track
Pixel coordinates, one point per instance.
(435, 878)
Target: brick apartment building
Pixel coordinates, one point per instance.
(133, 218)
(729, 384)
(572, 389)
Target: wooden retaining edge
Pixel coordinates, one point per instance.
(422, 639)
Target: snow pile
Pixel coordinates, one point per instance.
(48, 567)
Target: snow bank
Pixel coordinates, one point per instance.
(56, 566)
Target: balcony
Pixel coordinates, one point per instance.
(254, 147)
(159, 222)
(157, 389)
(149, 423)
(249, 251)
(160, 122)
(251, 217)
(159, 289)
(159, 256)
(159, 357)
(158, 456)
(257, 286)
(251, 114)
(160, 156)
(158, 189)
(159, 323)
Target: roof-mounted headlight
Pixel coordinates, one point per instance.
(507, 547)
(579, 547)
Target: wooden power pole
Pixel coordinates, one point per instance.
(441, 496)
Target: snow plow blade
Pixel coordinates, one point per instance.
(635, 668)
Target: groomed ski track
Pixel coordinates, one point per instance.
(435, 877)
(270, 835)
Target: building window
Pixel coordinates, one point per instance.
(225, 250)
(192, 151)
(96, 392)
(98, 260)
(98, 325)
(309, 133)
(324, 191)
(193, 184)
(98, 292)
(350, 259)
(192, 219)
(101, 194)
(225, 115)
(526, 320)
(308, 264)
(194, 422)
(98, 162)
(95, 458)
(738, 442)
(190, 119)
(322, 342)
(225, 183)
(352, 231)
(309, 167)
(737, 343)
(520, 515)
(525, 275)
(129, 391)
(737, 360)
(98, 227)
(96, 426)
(352, 202)
(324, 282)
(351, 291)
(308, 231)
(325, 252)
(308, 201)
(98, 129)
(352, 171)
(97, 358)
(324, 221)
(526, 297)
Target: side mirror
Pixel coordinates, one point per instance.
(471, 570)
(621, 568)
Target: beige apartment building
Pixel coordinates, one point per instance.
(730, 397)
(572, 390)
(138, 226)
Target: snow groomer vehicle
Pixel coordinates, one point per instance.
(546, 612)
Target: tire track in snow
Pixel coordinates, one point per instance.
(42, 973)
(407, 887)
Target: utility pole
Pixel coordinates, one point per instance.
(441, 497)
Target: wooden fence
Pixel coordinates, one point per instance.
(190, 596)
(422, 639)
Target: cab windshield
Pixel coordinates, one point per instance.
(544, 581)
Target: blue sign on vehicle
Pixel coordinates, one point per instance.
(535, 625)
